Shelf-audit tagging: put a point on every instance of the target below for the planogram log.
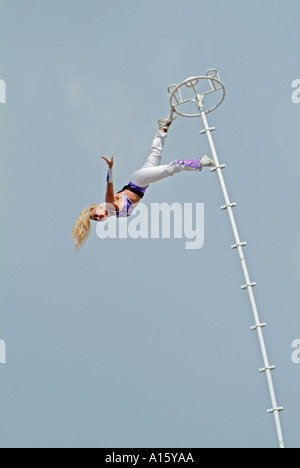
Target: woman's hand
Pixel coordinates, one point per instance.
(110, 163)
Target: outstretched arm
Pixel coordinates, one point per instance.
(110, 194)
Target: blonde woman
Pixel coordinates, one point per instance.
(123, 203)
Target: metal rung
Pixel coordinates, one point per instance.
(242, 244)
(223, 166)
(260, 325)
(246, 286)
(231, 205)
(211, 129)
(280, 408)
(263, 369)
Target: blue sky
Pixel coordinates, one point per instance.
(141, 343)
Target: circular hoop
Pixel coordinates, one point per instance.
(190, 83)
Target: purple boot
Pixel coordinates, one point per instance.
(192, 164)
(187, 165)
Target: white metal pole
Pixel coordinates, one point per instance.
(248, 285)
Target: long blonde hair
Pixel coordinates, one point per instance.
(82, 228)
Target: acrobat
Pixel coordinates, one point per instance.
(123, 203)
